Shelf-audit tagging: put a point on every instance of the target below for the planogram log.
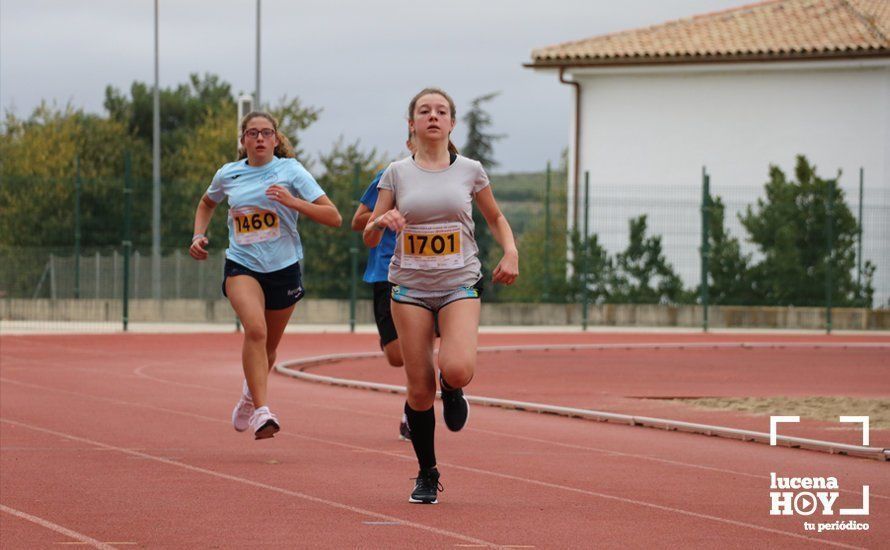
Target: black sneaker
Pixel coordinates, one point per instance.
(455, 407)
(426, 487)
(404, 431)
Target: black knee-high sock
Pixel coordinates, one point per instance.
(423, 431)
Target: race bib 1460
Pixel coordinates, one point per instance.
(253, 225)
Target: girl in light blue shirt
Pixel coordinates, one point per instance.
(267, 190)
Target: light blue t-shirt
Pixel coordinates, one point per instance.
(377, 269)
(262, 233)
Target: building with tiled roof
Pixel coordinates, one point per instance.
(734, 91)
(776, 30)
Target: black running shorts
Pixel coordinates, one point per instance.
(382, 313)
(282, 288)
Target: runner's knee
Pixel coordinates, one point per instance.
(393, 354)
(255, 333)
(457, 371)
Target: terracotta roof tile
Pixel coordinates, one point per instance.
(773, 30)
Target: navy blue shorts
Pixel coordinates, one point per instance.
(282, 288)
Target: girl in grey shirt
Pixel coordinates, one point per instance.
(427, 199)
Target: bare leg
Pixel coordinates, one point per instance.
(276, 322)
(393, 352)
(415, 327)
(248, 301)
(459, 329)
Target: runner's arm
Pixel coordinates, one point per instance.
(206, 207)
(508, 268)
(361, 217)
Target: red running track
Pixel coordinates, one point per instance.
(125, 440)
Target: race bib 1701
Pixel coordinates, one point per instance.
(432, 246)
(253, 225)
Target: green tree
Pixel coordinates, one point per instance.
(789, 228)
(212, 144)
(590, 257)
(293, 118)
(641, 273)
(729, 271)
(327, 256)
(542, 254)
(187, 107)
(182, 108)
(480, 143)
(38, 172)
(480, 146)
(37, 189)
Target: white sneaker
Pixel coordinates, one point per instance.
(243, 410)
(264, 424)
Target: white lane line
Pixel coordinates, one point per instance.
(57, 528)
(257, 484)
(140, 372)
(376, 415)
(458, 467)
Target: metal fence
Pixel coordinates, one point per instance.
(674, 215)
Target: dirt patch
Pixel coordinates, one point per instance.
(814, 408)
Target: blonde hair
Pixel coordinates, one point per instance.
(438, 91)
(283, 150)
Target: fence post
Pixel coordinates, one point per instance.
(136, 271)
(77, 227)
(115, 281)
(546, 294)
(353, 252)
(705, 243)
(201, 280)
(829, 256)
(585, 251)
(859, 244)
(177, 262)
(98, 267)
(52, 276)
(128, 244)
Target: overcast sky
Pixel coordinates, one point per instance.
(360, 61)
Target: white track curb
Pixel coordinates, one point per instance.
(296, 369)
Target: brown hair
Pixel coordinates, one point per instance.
(438, 91)
(283, 150)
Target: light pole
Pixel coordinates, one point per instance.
(156, 179)
(257, 96)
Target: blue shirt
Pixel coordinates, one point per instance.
(263, 233)
(378, 258)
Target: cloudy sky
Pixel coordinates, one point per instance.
(360, 61)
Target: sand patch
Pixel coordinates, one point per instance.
(815, 408)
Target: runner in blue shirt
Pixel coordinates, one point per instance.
(267, 190)
(376, 273)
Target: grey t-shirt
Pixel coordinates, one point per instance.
(437, 250)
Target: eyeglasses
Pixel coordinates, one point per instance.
(253, 133)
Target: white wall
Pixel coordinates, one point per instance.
(647, 132)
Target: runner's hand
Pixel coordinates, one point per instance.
(392, 220)
(280, 195)
(198, 250)
(507, 269)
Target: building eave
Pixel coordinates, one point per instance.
(557, 63)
